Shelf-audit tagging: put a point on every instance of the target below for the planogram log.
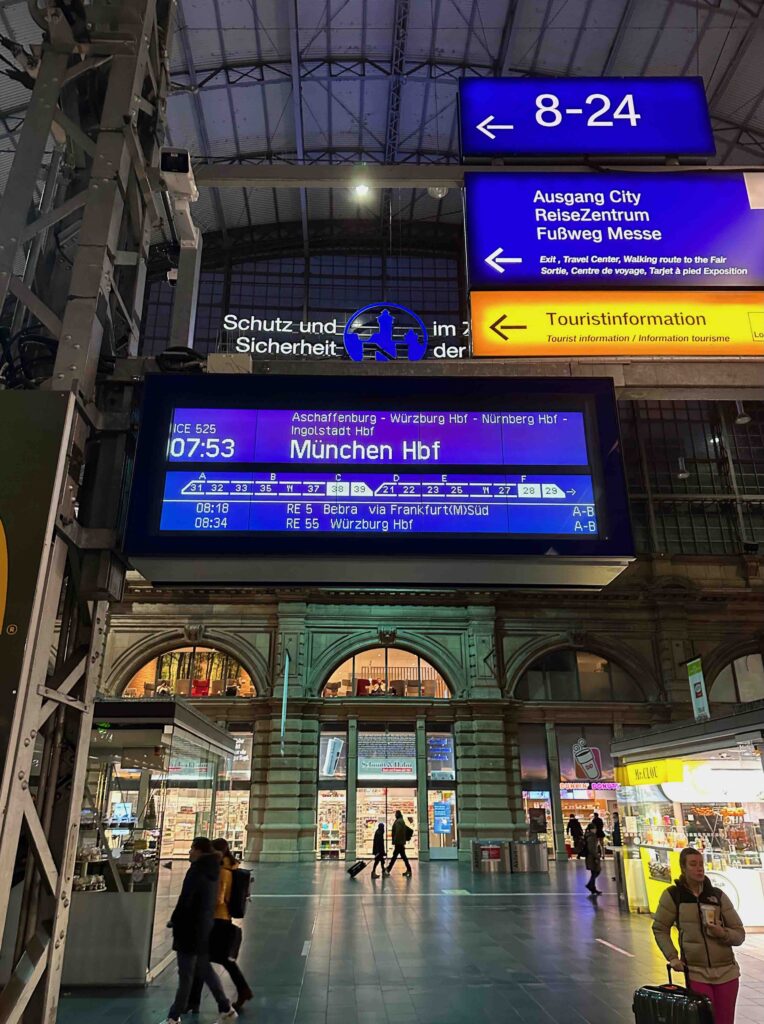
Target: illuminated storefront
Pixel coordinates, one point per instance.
(573, 749)
(397, 762)
(699, 786)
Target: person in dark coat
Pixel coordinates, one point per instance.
(191, 924)
(593, 852)
(378, 849)
(616, 829)
(400, 834)
(576, 832)
(598, 824)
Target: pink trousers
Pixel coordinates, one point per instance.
(723, 998)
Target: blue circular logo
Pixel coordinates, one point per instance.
(384, 332)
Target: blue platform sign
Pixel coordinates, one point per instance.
(612, 230)
(615, 116)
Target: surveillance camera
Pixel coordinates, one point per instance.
(172, 276)
(177, 174)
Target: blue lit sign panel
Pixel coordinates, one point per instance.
(612, 230)
(246, 466)
(626, 116)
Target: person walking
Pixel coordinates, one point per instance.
(191, 924)
(378, 849)
(616, 829)
(400, 834)
(708, 927)
(593, 854)
(598, 824)
(576, 832)
(223, 933)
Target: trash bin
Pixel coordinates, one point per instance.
(528, 855)
(490, 855)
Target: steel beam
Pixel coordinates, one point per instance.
(184, 304)
(396, 175)
(103, 303)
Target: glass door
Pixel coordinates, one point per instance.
(375, 805)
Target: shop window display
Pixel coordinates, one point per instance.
(191, 672)
(740, 682)
(149, 790)
(386, 672)
(377, 804)
(331, 832)
(568, 675)
(713, 802)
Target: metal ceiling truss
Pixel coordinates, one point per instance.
(97, 308)
(338, 235)
(270, 72)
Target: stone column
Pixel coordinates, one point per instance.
(282, 823)
(351, 807)
(423, 824)
(484, 801)
(553, 762)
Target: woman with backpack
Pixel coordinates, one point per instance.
(225, 935)
(708, 927)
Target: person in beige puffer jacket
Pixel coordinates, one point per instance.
(708, 927)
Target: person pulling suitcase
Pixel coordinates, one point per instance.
(708, 927)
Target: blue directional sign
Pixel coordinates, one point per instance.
(616, 116)
(613, 230)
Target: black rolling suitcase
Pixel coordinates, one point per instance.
(671, 1004)
(357, 868)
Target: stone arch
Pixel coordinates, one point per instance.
(629, 660)
(135, 657)
(347, 646)
(725, 653)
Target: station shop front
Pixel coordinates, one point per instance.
(388, 728)
(698, 785)
(395, 751)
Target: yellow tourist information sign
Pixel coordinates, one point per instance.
(529, 324)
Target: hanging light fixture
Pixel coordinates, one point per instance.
(682, 472)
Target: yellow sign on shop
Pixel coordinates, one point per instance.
(630, 323)
(651, 773)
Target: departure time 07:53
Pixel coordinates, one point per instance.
(197, 448)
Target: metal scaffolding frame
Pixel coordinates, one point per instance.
(125, 48)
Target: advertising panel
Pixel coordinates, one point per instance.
(698, 694)
(631, 323)
(383, 756)
(629, 116)
(608, 230)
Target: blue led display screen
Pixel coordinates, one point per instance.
(612, 230)
(508, 116)
(427, 493)
(291, 466)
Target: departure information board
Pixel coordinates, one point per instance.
(617, 116)
(252, 464)
(614, 230)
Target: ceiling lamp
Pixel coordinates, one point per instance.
(682, 472)
(361, 191)
(437, 191)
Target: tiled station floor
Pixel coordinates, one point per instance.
(444, 947)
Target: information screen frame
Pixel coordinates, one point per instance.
(164, 393)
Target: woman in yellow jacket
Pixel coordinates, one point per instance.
(221, 938)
